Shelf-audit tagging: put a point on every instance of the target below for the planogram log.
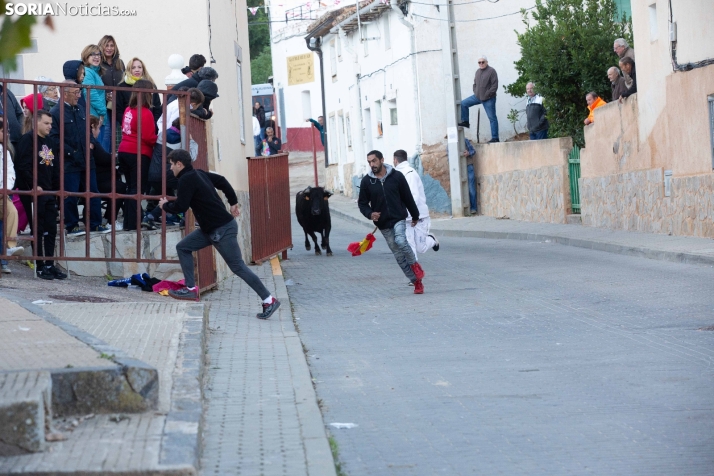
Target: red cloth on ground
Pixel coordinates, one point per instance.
(168, 285)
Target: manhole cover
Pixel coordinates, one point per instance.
(81, 298)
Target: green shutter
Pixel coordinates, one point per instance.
(623, 7)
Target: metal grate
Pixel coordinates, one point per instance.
(574, 172)
(711, 125)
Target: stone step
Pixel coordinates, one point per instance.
(25, 411)
(574, 219)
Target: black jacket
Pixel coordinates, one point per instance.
(191, 82)
(390, 196)
(69, 69)
(274, 145)
(15, 116)
(75, 136)
(112, 77)
(197, 190)
(121, 102)
(104, 164)
(632, 89)
(535, 114)
(25, 160)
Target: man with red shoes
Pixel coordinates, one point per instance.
(384, 198)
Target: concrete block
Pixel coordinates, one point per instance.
(25, 411)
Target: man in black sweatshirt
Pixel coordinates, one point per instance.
(384, 198)
(45, 161)
(197, 190)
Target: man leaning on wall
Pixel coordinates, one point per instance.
(535, 114)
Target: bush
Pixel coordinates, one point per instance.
(261, 67)
(566, 52)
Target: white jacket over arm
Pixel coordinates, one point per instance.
(417, 188)
(10, 171)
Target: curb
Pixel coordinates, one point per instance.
(183, 428)
(637, 251)
(318, 454)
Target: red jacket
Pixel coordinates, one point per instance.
(130, 135)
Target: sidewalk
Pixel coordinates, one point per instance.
(647, 245)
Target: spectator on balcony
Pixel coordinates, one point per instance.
(617, 83)
(104, 164)
(256, 136)
(50, 96)
(535, 114)
(259, 113)
(28, 108)
(210, 92)
(14, 114)
(92, 58)
(320, 126)
(628, 66)
(74, 70)
(623, 50)
(204, 73)
(112, 75)
(136, 70)
(75, 162)
(594, 101)
(8, 212)
(195, 63)
(485, 88)
(271, 144)
(131, 144)
(42, 162)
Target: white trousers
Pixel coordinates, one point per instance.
(418, 236)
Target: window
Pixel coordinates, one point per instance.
(393, 116)
(378, 116)
(623, 8)
(333, 60)
(348, 131)
(239, 70)
(653, 22)
(711, 125)
(387, 38)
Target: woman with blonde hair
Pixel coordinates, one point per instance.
(112, 75)
(136, 70)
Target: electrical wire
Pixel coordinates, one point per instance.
(362, 76)
(210, 34)
(476, 19)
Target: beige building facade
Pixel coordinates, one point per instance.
(648, 162)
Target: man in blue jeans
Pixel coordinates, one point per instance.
(75, 164)
(485, 88)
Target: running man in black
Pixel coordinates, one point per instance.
(197, 190)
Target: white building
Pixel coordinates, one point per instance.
(384, 82)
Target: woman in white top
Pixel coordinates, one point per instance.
(8, 212)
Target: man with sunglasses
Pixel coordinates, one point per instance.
(485, 88)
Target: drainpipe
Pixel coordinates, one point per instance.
(415, 74)
(315, 44)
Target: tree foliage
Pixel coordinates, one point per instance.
(566, 51)
(14, 37)
(261, 66)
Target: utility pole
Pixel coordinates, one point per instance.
(455, 135)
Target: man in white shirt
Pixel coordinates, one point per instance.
(256, 137)
(418, 236)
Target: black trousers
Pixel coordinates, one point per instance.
(132, 170)
(46, 228)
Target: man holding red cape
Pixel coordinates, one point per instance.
(384, 198)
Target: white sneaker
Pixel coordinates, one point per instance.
(118, 226)
(15, 250)
(4, 269)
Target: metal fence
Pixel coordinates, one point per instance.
(270, 218)
(574, 172)
(190, 127)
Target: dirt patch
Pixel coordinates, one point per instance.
(93, 299)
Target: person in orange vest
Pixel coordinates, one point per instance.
(594, 101)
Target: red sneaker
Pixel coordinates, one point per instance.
(418, 287)
(418, 272)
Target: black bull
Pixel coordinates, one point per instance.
(313, 213)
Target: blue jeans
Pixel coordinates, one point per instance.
(105, 136)
(489, 105)
(472, 186)
(75, 182)
(540, 135)
(396, 239)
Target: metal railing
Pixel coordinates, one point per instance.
(574, 173)
(270, 206)
(306, 11)
(191, 127)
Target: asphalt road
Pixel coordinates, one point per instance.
(520, 358)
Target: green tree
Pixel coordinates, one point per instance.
(261, 65)
(566, 51)
(14, 36)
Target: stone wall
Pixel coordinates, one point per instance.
(635, 201)
(526, 180)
